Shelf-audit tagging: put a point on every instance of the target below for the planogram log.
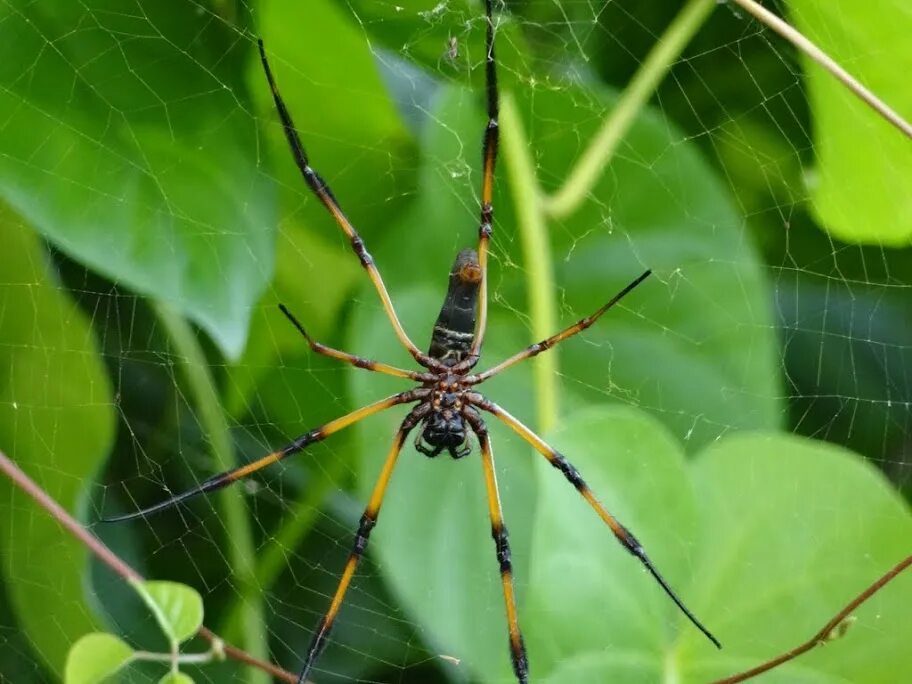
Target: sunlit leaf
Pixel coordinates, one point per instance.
(177, 607)
(95, 657)
(56, 423)
(747, 536)
(863, 164)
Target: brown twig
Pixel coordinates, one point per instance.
(797, 39)
(824, 634)
(113, 561)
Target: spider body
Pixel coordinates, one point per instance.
(444, 428)
(447, 405)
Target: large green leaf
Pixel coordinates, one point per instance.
(153, 181)
(864, 165)
(56, 423)
(764, 536)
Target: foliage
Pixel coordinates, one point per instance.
(142, 170)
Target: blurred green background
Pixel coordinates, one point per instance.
(746, 411)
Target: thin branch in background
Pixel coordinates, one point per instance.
(795, 37)
(241, 548)
(830, 629)
(590, 165)
(597, 155)
(113, 561)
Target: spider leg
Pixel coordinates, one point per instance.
(544, 345)
(316, 435)
(368, 521)
(325, 195)
(623, 535)
(357, 361)
(489, 159)
(502, 544)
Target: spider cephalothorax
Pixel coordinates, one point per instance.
(447, 405)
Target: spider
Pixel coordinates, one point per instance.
(447, 405)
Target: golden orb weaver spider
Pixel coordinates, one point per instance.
(447, 405)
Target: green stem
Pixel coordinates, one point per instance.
(239, 536)
(533, 233)
(273, 558)
(590, 165)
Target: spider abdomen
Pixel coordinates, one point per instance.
(454, 330)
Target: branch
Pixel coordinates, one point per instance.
(113, 561)
(588, 168)
(829, 629)
(241, 551)
(536, 249)
(793, 36)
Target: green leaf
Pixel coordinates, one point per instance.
(764, 536)
(57, 424)
(863, 163)
(699, 354)
(95, 657)
(177, 608)
(153, 181)
(175, 678)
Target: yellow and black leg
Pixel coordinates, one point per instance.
(325, 195)
(357, 361)
(368, 521)
(221, 480)
(544, 345)
(489, 160)
(621, 533)
(502, 547)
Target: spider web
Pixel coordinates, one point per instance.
(759, 317)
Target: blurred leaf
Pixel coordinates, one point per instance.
(56, 423)
(863, 172)
(848, 356)
(154, 181)
(765, 537)
(175, 678)
(95, 657)
(695, 345)
(177, 608)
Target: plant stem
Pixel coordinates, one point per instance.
(796, 38)
(273, 557)
(239, 536)
(115, 563)
(829, 631)
(597, 155)
(533, 233)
